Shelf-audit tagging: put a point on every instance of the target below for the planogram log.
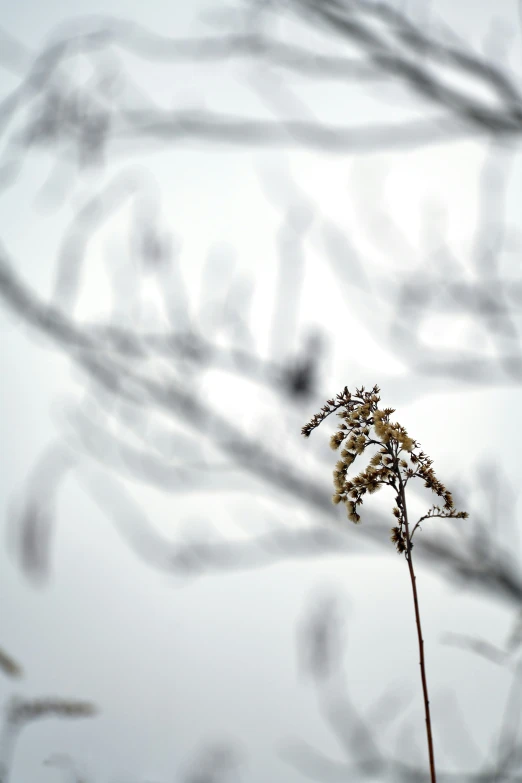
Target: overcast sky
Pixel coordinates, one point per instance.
(176, 665)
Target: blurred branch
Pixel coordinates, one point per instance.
(409, 54)
(9, 666)
(87, 122)
(216, 763)
(399, 52)
(22, 712)
(65, 762)
(492, 571)
(353, 730)
(492, 302)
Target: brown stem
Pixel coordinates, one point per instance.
(413, 578)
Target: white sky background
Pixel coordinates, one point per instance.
(175, 666)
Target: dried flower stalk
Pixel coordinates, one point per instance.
(397, 461)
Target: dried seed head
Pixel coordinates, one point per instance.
(361, 412)
(398, 539)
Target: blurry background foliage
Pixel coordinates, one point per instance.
(213, 218)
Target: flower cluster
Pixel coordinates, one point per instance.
(396, 462)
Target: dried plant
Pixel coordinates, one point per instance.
(22, 712)
(396, 462)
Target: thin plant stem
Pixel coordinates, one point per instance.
(398, 460)
(409, 560)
